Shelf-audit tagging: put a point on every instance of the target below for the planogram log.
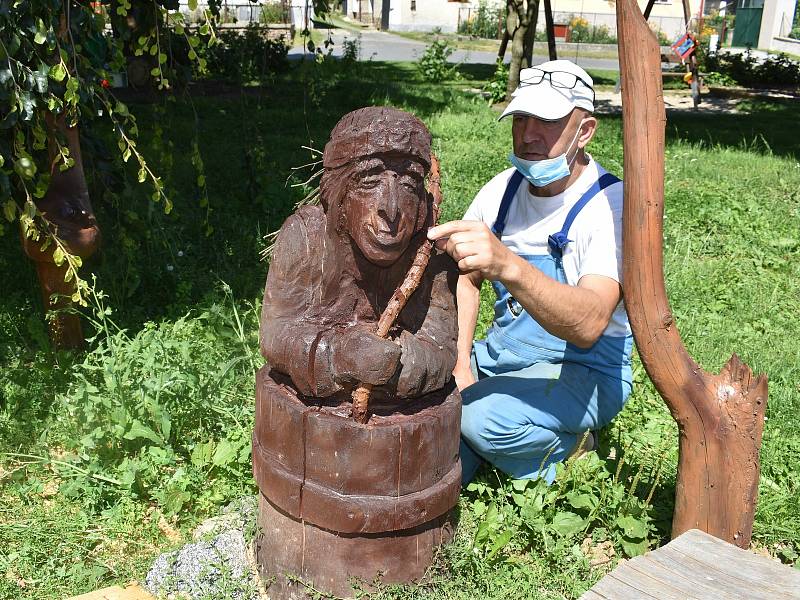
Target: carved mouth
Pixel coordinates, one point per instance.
(385, 236)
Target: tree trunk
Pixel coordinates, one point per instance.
(501, 53)
(515, 28)
(551, 33)
(67, 208)
(385, 7)
(532, 18)
(720, 417)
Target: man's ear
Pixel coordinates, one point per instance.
(588, 129)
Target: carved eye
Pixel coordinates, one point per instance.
(409, 183)
(369, 183)
(67, 210)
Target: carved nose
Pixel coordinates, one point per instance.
(391, 206)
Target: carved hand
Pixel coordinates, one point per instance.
(360, 356)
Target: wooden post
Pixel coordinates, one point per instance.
(720, 417)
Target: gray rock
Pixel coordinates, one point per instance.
(240, 514)
(209, 569)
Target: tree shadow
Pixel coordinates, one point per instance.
(760, 126)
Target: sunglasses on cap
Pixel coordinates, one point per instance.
(558, 79)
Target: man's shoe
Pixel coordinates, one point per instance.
(586, 443)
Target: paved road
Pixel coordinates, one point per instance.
(379, 45)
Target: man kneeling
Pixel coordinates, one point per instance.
(547, 233)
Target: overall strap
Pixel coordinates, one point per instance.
(558, 241)
(508, 196)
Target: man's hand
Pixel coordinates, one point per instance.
(475, 248)
(464, 377)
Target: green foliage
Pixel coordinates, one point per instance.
(273, 12)
(484, 23)
(746, 70)
(153, 412)
(433, 65)
(351, 50)
(247, 56)
(715, 78)
(60, 73)
(581, 31)
(586, 502)
(795, 32)
(498, 84)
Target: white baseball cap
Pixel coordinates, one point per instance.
(551, 90)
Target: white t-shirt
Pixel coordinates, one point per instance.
(596, 233)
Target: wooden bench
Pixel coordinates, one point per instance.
(697, 565)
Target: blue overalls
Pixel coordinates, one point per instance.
(536, 394)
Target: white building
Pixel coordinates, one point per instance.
(427, 15)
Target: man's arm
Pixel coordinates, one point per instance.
(578, 314)
(468, 297)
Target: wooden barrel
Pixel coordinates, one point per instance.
(340, 499)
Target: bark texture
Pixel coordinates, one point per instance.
(720, 417)
(520, 27)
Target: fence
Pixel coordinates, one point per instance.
(244, 13)
(598, 28)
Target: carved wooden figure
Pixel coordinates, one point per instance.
(67, 207)
(720, 417)
(341, 498)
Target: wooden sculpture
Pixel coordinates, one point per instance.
(68, 210)
(366, 497)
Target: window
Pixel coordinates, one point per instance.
(413, 4)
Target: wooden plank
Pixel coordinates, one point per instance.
(757, 570)
(613, 588)
(645, 580)
(131, 592)
(697, 565)
(689, 584)
(698, 572)
(592, 595)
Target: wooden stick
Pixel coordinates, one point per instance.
(401, 295)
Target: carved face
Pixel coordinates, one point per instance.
(384, 206)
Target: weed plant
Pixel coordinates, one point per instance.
(433, 66)
(110, 457)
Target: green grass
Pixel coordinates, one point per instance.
(88, 498)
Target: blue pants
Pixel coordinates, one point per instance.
(524, 422)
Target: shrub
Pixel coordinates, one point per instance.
(581, 31)
(497, 85)
(484, 23)
(663, 39)
(746, 70)
(433, 65)
(720, 79)
(273, 12)
(247, 56)
(588, 507)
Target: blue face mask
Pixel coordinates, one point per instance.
(544, 172)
